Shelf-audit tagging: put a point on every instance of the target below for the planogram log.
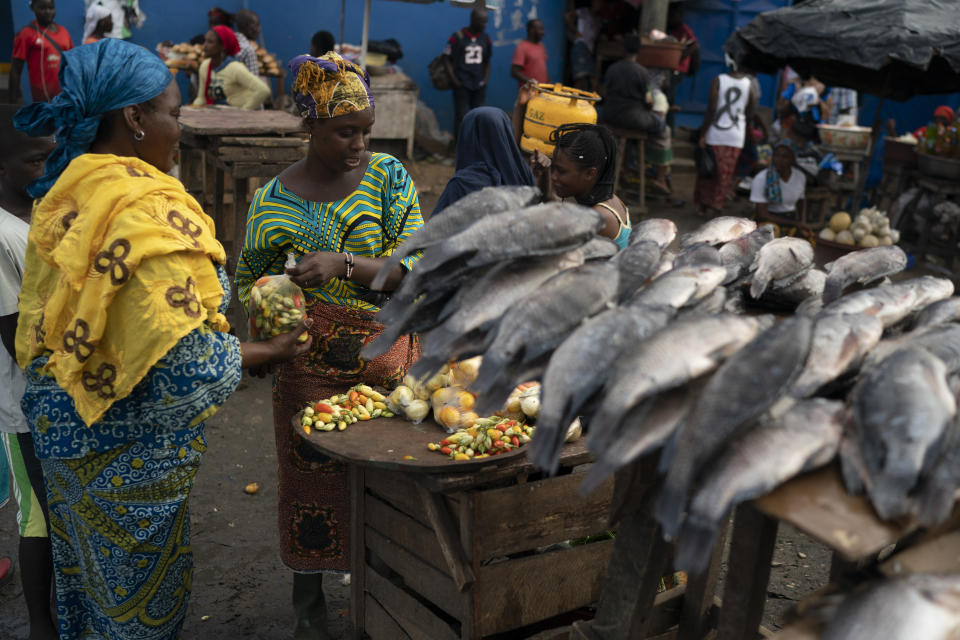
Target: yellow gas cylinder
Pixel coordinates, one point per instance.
(552, 106)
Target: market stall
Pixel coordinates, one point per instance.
(445, 549)
(669, 352)
(219, 141)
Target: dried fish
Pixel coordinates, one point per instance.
(744, 386)
(718, 231)
(807, 436)
(781, 261)
(864, 267)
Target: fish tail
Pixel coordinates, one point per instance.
(695, 545)
(672, 501)
(382, 343)
(545, 449)
(426, 366)
(598, 472)
(392, 261)
(934, 505)
(495, 396)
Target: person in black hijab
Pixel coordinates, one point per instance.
(487, 156)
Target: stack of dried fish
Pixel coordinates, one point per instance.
(651, 350)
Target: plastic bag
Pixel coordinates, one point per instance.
(706, 162)
(276, 306)
(453, 408)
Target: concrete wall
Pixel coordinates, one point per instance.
(422, 30)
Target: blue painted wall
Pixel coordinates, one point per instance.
(712, 22)
(422, 29)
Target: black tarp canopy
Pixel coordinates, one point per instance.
(889, 48)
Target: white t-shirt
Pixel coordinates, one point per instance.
(792, 190)
(13, 253)
(729, 126)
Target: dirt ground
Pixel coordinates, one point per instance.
(240, 587)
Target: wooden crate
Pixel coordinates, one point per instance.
(442, 565)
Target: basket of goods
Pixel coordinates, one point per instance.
(184, 56)
(660, 54)
(869, 228)
(267, 62)
(901, 150)
(846, 137)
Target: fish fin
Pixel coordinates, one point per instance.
(827, 267)
(832, 289)
(758, 285)
(852, 467)
(695, 545)
(672, 501)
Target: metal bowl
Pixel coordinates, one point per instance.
(938, 167)
(844, 137)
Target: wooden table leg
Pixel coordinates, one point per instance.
(642, 162)
(639, 559)
(444, 525)
(745, 590)
(699, 597)
(241, 187)
(358, 556)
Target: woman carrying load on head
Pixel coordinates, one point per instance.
(582, 168)
(340, 210)
(124, 344)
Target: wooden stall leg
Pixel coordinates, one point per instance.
(358, 556)
(241, 188)
(618, 165)
(218, 218)
(445, 526)
(639, 559)
(745, 591)
(642, 163)
(695, 618)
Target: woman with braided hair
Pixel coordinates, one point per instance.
(341, 211)
(583, 169)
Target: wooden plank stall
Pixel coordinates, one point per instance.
(395, 96)
(221, 141)
(459, 550)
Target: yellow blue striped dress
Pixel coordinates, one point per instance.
(372, 221)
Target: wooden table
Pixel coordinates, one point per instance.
(444, 550)
(246, 144)
(817, 504)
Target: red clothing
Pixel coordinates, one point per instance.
(681, 33)
(42, 58)
(532, 60)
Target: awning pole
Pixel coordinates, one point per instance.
(865, 170)
(366, 34)
(343, 12)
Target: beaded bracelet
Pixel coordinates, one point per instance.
(348, 259)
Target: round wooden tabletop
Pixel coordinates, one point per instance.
(395, 444)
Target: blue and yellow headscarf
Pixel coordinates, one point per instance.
(329, 86)
(95, 79)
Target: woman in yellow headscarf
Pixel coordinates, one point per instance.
(124, 344)
(340, 210)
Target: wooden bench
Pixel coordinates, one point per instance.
(622, 135)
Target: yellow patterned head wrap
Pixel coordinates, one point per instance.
(120, 267)
(329, 86)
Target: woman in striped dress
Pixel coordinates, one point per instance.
(341, 210)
